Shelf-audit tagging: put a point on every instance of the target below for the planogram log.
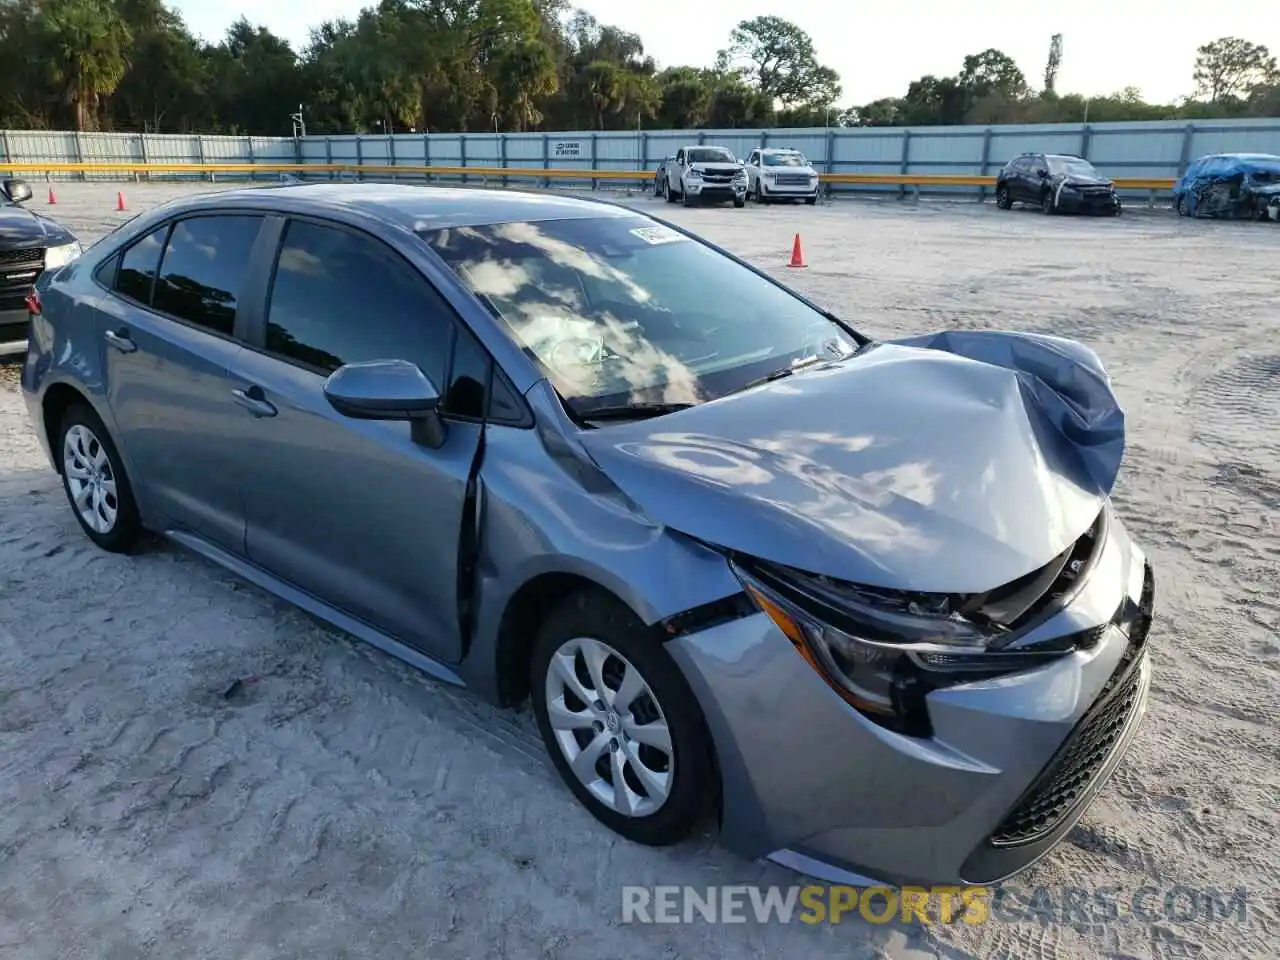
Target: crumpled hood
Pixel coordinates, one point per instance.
(953, 462)
(20, 227)
(1076, 180)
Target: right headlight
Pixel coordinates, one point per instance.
(882, 651)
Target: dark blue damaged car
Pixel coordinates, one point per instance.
(865, 603)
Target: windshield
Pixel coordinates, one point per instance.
(785, 160)
(1072, 166)
(710, 155)
(620, 310)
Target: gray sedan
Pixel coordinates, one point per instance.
(865, 603)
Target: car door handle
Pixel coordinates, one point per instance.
(120, 340)
(253, 401)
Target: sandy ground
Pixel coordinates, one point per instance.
(344, 806)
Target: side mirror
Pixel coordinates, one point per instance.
(19, 191)
(1044, 173)
(388, 390)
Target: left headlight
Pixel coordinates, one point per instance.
(883, 652)
(61, 255)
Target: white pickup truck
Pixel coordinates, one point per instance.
(701, 173)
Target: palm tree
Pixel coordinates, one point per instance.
(88, 42)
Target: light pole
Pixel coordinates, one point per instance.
(299, 124)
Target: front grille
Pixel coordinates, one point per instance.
(710, 177)
(19, 270)
(793, 179)
(1091, 744)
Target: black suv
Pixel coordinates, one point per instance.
(29, 245)
(1056, 183)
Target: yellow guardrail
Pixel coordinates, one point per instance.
(552, 173)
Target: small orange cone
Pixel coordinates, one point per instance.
(52, 198)
(120, 200)
(797, 255)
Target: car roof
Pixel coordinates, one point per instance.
(417, 207)
(779, 150)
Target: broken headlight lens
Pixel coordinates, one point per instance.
(883, 652)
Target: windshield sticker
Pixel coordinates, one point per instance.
(656, 235)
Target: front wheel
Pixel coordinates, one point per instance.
(739, 201)
(689, 201)
(1003, 200)
(95, 483)
(622, 726)
(1047, 206)
(811, 200)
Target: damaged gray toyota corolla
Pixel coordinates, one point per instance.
(866, 602)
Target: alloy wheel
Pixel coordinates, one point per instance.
(91, 479)
(609, 726)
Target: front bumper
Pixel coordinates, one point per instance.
(13, 332)
(778, 191)
(812, 784)
(705, 190)
(1075, 202)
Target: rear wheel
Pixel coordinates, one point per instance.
(620, 722)
(95, 483)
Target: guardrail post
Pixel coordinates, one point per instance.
(328, 155)
(702, 137)
(80, 155)
(4, 145)
(502, 154)
(643, 148)
(986, 162)
(905, 166)
(462, 153)
(391, 155)
(546, 160)
(1086, 136)
(426, 156)
(200, 154)
(142, 149)
(764, 139)
(359, 156)
(594, 182)
(248, 146)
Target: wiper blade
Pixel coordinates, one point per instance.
(634, 411)
(785, 371)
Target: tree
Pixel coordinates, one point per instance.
(992, 73)
(1231, 67)
(87, 45)
(779, 59)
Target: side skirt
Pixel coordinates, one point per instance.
(300, 598)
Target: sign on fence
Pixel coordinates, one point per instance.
(566, 149)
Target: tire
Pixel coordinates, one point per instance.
(739, 201)
(657, 186)
(1003, 201)
(1179, 207)
(1047, 206)
(594, 621)
(85, 448)
(759, 194)
(810, 200)
(688, 200)
(666, 191)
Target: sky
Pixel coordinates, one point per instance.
(878, 50)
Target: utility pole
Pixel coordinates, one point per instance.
(299, 124)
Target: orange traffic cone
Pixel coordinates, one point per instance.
(120, 200)
(797, 255)
(52, 198)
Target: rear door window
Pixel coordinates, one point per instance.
(138, 267)
(203, 269)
